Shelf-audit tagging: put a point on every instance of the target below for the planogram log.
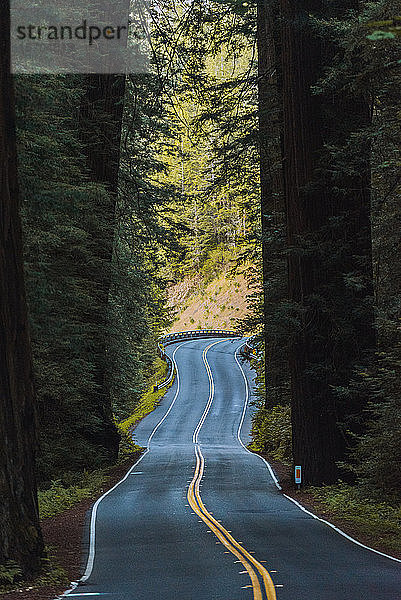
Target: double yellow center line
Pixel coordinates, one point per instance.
(252, 566)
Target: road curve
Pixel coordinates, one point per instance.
(200, 518)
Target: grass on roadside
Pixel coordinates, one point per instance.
(271, 432)
(60, 497)
(66, 493)
(51, 574)
(377, 522)
(360, 511)
(149, 400)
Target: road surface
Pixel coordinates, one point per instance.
(200, 518)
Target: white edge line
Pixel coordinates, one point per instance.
(174, 399)
(339, 531)
(348, 537)
(272, 474)
(91, 557)
(89, 566)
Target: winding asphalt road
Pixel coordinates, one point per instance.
(201, 518)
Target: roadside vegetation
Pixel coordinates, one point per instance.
(52, 574)
(148, 402)
(62, 494)
(360, 508)
(59, 495)
(371, 520)
(271, 433)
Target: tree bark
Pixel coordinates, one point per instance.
(272, 203)
(101, 114)
(20, 535)
(329, 243)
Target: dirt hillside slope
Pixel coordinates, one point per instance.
(217, 305)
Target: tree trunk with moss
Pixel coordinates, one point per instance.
(272, 202)
(20, 535)
(101, 114)
(329, 240)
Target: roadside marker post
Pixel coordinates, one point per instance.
(298, 475)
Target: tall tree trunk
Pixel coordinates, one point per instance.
(101, 122)
(101, 116)
(329, 243)
(272, 208)
(20, 535)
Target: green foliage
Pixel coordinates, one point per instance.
(368, 64)
(61, 495)
(149, 400)
(144, 241)
(52, 573)
(10, 572)
(375, 459)
(216, 172)
(374, 519)
(380, 35)
(59, 208)
(87, 299)
(271, 432)
(128, 449)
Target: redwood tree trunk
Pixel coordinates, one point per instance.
(101, 114)
(20, 535)
(329, 244)
(272, 202)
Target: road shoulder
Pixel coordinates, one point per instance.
(386, 541)
(63, 535)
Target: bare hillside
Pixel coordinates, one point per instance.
(216, 306)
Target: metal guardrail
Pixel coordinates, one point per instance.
(169, 362)
(186, 335)
(197, 333)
